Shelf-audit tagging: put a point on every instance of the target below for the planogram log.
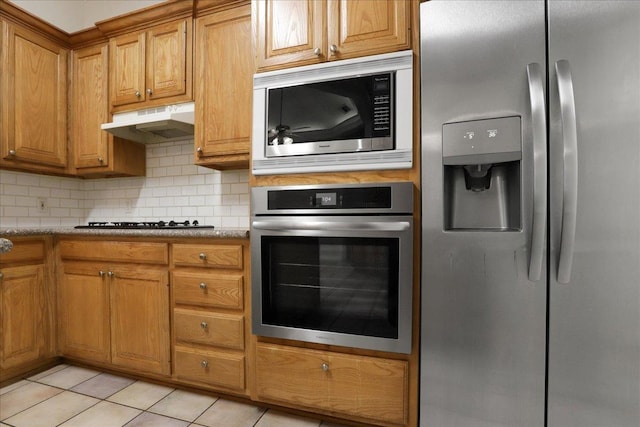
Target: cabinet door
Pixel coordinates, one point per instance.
(90, 107)
(21, 298)
(140, 319)
(290, 32)
(360, 28)
(359, 386)
(34, 100)
(127, 62)
(223, 102)
(168, 59)
(84, 312)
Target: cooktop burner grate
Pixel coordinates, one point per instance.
(144, 225)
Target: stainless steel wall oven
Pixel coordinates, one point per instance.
(333, 264)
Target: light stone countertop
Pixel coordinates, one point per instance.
(217, 233)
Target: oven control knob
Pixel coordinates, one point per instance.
(203, 256)
(203, 285)
(204, 363)
(204, 325)
(325, 367)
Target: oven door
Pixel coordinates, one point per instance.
(339, 280)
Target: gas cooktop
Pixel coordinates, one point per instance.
(144, 225)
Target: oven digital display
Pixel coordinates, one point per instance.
(326, 199)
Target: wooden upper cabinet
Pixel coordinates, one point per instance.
(290, 32)
(89, 105)
(302, 32)
(128, 69)
(367, 27)
(224, 71)
(96, 153)
(34, 101)
(152, 67)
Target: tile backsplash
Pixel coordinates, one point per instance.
(173, 188)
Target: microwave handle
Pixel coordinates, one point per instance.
(288, 224)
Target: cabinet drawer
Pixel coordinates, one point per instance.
(223, 330)
(360, 386)
(215, 256)
(28, 251)
(137, 252)
(210, 367)
(208, 289)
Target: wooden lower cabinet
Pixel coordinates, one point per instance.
(27, 307)
(366, 388)
(84, 328)
(114, 304)
(140, 320)
(21, 298)
(210, 330)
(211, 367)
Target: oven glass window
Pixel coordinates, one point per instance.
(345, 109)
(346, 285)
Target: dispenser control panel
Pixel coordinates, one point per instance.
(482, 141)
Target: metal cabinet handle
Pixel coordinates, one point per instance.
(100, 160)
(570, 164)
(138, 94)
(204, 363)
(1, 275)
(325, 367)
(539, 133)
(203, 285)
(111, 274)
(204, 325)
(12, 152)
(199, 151)
(333, 49)
(150, 92)
(101, 273)
(202, 256)
(317, 51)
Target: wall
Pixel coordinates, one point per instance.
(173, 189)
(75, 15)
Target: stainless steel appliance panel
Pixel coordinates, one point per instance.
(483, 320)
(594, 320)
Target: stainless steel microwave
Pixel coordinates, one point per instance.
(338, 116)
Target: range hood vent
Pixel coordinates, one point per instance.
(159, 124)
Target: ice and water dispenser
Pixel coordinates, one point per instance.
(482, 185)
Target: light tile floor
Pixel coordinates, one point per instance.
(71, 396)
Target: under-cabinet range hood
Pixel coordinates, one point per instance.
(159, 124)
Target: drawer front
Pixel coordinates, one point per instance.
(201, 327)
(214, 256)
(210, 290)
(28, 251)
(112, 251)
(210, 367)
(361, 386)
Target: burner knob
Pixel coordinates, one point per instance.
(172, 223)
(195, 222)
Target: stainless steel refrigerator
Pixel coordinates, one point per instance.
(530, 119)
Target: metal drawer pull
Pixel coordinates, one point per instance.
(204, 363)
(202, 256)
(204, 325)
(203, 285)
(101, 273)
(325, 367)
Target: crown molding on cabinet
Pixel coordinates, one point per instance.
(17, 15)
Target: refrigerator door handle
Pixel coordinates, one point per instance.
(539, 134)
(570, 172)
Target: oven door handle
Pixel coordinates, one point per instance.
(288, 224)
